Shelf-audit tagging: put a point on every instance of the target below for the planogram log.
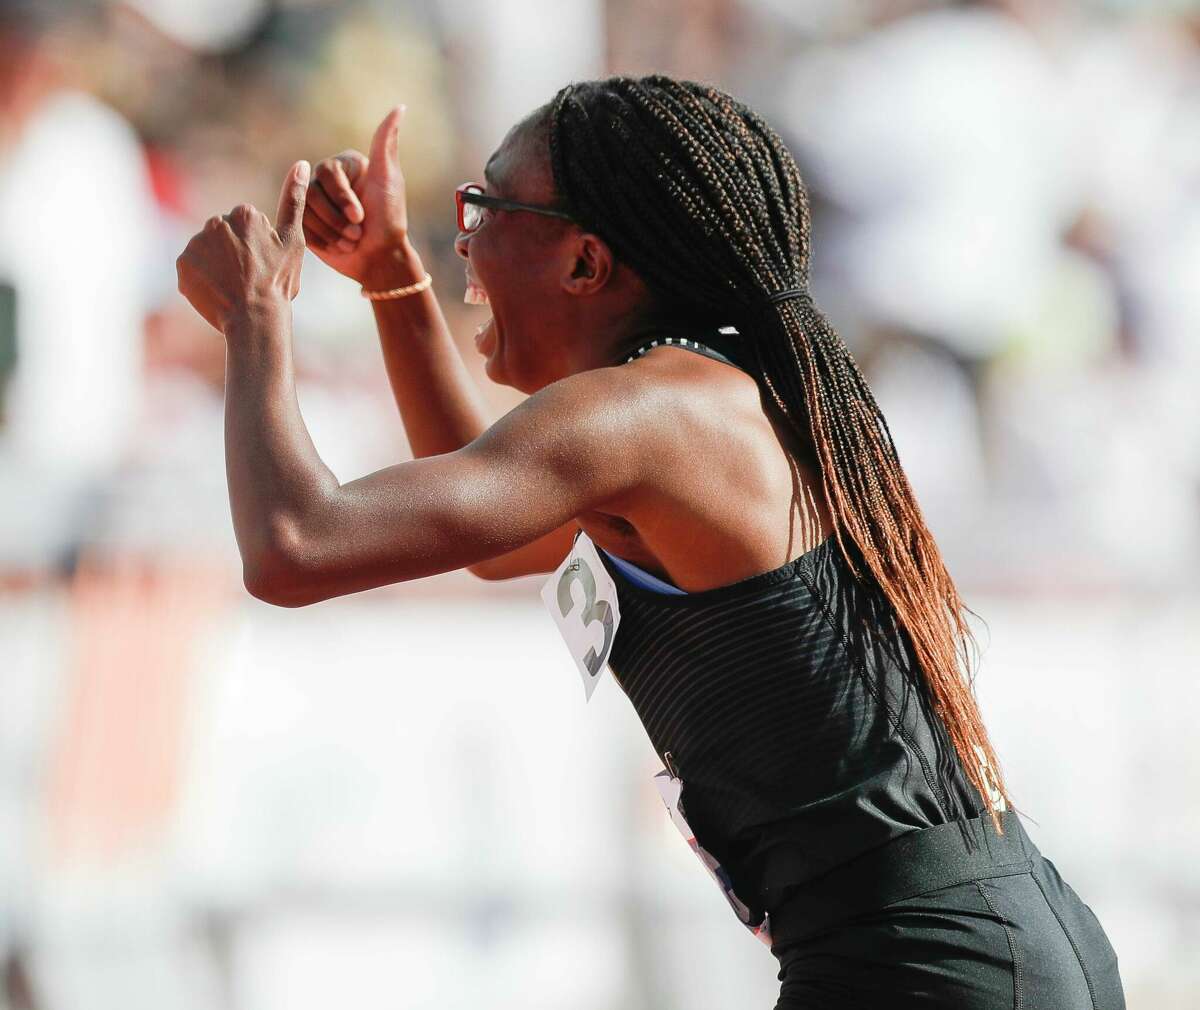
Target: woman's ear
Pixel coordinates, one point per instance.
(591, 265)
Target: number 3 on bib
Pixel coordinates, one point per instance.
(582, 599)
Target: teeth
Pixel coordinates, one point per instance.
(475, 295)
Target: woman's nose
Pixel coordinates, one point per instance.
(460, 244)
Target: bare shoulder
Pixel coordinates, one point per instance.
(614, 393)
(598, 435)
(601, 415)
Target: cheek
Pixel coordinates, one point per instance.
(508, 262)
(485, 256)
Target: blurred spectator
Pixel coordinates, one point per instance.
(1134, 86)
(516, 54)
(943, 139)
(75, 207)
(1007, 217)
(205, 801)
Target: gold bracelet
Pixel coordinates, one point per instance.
(410, 289)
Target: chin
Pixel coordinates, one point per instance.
(494, 372)
(502, 378)
(501, 373)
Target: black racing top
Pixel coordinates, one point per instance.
(791, 706)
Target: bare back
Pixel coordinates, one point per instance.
(736, 494)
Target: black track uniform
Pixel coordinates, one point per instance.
(791, 707)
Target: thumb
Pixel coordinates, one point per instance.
(290, 216)
(384, 162)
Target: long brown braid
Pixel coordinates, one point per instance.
(700, 196)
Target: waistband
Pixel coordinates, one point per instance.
(912, 864)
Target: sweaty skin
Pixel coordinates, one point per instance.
(673, 461)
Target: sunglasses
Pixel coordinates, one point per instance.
(470, 201)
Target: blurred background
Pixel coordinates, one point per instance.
(399, 799)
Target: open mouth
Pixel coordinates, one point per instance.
(475, 295)
(485, 335)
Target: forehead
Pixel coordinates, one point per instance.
(520, 166)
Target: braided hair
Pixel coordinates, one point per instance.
(702, 199)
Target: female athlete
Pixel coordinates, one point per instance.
(702, 463)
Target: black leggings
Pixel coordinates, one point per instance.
(1009, 936)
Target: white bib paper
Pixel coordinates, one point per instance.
(582, 598)
(670, 788)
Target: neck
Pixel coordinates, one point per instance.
(609, 343)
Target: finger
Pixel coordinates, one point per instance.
(354, 163)
(326, 241)
(240, 217)
(313, 240)
(328, 236)
(289, 219)
(336, 184)
(323, 207)
(385, 147)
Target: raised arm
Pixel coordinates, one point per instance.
(579, 444)
(356, 221)
(567, 449)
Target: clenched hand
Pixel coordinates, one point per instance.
(356, 218)
(238, 263)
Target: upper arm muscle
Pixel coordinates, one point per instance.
(567, 449)
(541, 555)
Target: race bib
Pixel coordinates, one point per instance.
(670, 788)
(582, 598)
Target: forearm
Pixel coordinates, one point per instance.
(439, 402)
(277, 481)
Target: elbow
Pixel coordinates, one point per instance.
(273, 584)
(277, 574)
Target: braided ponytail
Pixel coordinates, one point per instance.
(701, 197)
